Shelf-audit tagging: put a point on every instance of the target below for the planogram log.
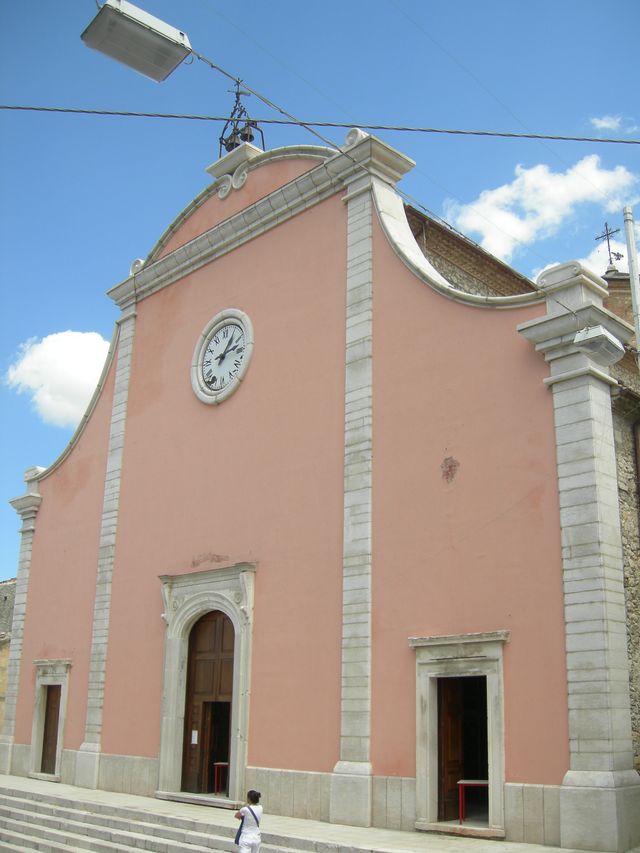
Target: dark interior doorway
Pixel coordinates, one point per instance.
(208, 705)
(462, 746)
(50, 730)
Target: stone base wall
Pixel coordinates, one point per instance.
(294, 793)
(20, 759)
(394, 802)
(128, 774)
(532, 814)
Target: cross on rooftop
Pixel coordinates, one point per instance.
(608, 233)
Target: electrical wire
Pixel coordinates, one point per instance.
(308, 125)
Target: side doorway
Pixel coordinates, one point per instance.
(208, 703)
(463, 748)
(460, 732)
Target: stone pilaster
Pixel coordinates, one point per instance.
(600, 795)
(26, 506)
(351, 782)
(88, 757)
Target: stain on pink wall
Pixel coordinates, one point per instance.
(213, 210)
(466, 520)
(62, 579)
(257, 478)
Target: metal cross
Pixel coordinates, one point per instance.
(608, 233)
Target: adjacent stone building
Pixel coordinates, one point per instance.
(7, 598)
(352, 519)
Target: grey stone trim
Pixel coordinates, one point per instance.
(87, 765)
(358, 436)
(186, 598)
(458, 655)
(600, 795)
(26, 506)
(351, 783)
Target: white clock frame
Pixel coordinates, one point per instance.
(202, 391)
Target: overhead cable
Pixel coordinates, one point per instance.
(328, 124)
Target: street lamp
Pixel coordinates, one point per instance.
(136, 38)
(598, 342)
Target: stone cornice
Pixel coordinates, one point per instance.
(224, 167)
(555, 330)
(564, 276)
(501, 636)
(27, 505)
(368, 157)
(393, 219)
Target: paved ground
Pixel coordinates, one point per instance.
(369, 838)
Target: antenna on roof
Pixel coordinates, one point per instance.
(608, 233)
(239, 127)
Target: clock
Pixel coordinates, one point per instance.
(222, 355)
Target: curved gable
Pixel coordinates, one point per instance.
(242, 178)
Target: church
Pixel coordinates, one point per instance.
(352, 519)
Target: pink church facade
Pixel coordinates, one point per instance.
(335, 527)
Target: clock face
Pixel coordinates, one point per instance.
(222, 356)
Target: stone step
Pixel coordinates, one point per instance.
(85, 834)
(57, 823)
(88, 837)
(51, 841)
(106, 826)
(131, 812)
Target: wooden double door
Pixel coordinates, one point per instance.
(207, 735)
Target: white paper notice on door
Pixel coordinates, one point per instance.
(194, 737)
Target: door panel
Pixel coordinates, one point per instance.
(450, 746)
(209, 686)
(462, 745)
(50, 733)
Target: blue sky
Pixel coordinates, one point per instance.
(82, 196)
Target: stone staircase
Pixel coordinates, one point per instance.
(59, 824)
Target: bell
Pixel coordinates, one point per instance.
(232, 141)
(246, 134)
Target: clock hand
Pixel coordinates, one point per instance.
(226, 350)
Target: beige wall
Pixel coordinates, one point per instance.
(62, 580)
(258, 478)
(479, 551)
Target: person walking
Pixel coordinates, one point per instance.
(250, 815)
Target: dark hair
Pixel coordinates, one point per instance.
(253, 797)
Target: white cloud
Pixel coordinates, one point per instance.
(622, 124)
(607, 122)
(60, 373)
(598, 260)
(538, 203)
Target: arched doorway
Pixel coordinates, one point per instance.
(208, 702)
